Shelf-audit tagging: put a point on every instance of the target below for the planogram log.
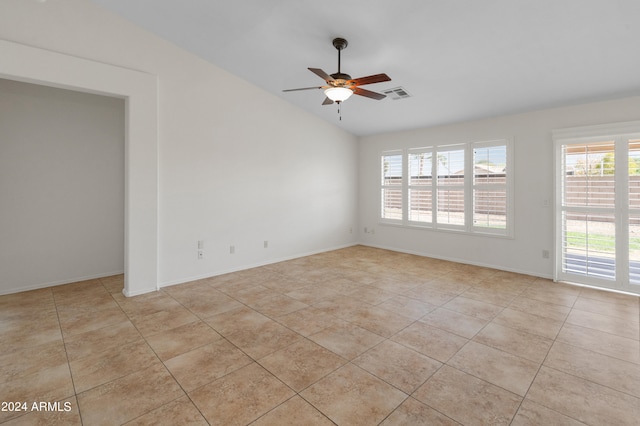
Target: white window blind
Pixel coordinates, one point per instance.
(598, 205)
(420, 190)
(490, 187)
(634, 210)
(462, 187)
(451, 186)
(391, 186)
(588, 201)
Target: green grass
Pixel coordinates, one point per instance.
(597, 242)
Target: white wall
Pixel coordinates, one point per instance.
(61, 186)
(533, 158)
(239, 166)
(236, 164)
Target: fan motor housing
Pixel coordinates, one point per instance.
(341, 76)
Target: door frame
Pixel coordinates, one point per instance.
(140, 91)
(620, 133)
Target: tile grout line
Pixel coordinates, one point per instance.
(167, 368)
(64, 344)
(255, 361)
(471, 339)
(524, 397)
(542, 364)
(307, 338)
(313, 266)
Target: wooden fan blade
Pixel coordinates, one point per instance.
(327, 101)
(378, 78)
(368, 93)
(317, 71)
(303, 88)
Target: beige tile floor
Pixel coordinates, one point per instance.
(354, 336)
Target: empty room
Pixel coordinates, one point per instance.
(288, 212)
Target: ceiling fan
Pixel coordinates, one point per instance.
(341, 86)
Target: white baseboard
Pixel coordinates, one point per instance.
(56, 283)
(254, 265)
(139, 292)
(463, 261)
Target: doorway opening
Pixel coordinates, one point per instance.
(62, 180)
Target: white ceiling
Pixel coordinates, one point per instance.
(459, 59)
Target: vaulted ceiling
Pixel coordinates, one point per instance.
(458, 59)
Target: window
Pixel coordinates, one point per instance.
(588, 223)
(391, 193)
(450, 186)
(461, 187)
(634, 210)
(490, 189)
(598, 206)
(420, 191)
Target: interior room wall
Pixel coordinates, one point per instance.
(61, 186)
(237, 166)
(533, 184)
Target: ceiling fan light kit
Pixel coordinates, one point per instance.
(338, 94)
(339, 86)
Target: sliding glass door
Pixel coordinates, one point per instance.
(598, 209)
(634, 211)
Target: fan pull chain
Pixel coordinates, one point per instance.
(339, 113)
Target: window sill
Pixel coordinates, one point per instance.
(459, 231)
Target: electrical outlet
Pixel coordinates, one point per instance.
(266, 244)
(232, 249)
(200, 254)
(545, 254)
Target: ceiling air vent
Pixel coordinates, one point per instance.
(397, 93)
